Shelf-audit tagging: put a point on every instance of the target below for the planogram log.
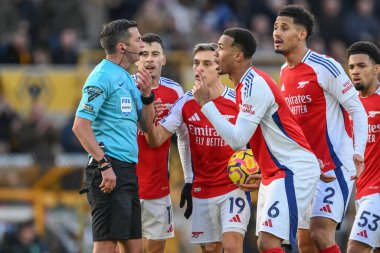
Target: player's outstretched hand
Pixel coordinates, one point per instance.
(326, 178)
(145, 82)
(248, 187)
(159, 107)
(359, 164)
(187, 197)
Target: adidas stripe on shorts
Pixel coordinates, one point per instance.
(157, 218)
(331, 199)
(366, 228)
(229, 212)
(284, 206)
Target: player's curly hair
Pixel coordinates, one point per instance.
(243, 39)
(365, 47)
(114, 32)
(300, 17)
(151, 37)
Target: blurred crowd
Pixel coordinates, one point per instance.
(54, 31)
(22, 238)
(36, 134)
(57, 32)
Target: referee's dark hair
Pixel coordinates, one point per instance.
(115, 32)
(243, 39)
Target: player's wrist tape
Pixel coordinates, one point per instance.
(147, 100)
(105, 159)
(105, 167)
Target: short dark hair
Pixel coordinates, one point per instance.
(151, 37)
(243, 39)
(205, 47)
(365, 47)
(300, 17)
(115, 32)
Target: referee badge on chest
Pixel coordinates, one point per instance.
(126, 105)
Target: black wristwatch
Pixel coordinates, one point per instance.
(147, 100)
(105, 159)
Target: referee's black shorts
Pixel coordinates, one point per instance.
(115, 215)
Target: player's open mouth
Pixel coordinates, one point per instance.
(356, 80)
(277, 42)
(150, 68)
(197, 77)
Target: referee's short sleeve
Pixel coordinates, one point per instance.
(94, 93)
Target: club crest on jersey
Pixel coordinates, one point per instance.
(126, 105)
(196, 234)
(302, 84)
(372, 114)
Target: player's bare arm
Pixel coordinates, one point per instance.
(157, 135)
(83, 131)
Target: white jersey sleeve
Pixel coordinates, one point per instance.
(184, 153)
(360, 123)
(174, 123)
(237, 136)
(334, 80)
(174, 119)
(257, 99)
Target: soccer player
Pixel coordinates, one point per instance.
(152, 168)
(317, 90)
(221, 210)
(109, 111)
(364, 70)
(290, 170)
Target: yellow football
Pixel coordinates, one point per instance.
(241, 165)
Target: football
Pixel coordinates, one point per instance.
(241, 165)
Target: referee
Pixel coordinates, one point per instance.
(109, 112)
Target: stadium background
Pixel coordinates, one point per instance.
(47, 49)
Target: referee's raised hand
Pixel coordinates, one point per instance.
(144, 82)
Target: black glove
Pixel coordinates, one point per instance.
(186, 196)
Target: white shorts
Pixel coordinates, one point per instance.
(283, 206)
(212, 217)
(157, 218)
(331, 199)
(366, 228)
